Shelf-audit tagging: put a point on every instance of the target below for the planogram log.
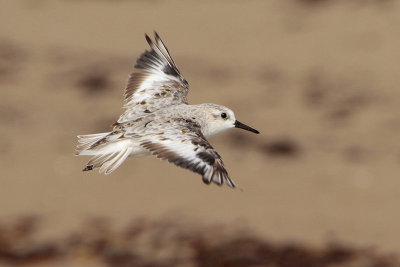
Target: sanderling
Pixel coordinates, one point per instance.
(158, 120)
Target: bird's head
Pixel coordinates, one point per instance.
(221, 118)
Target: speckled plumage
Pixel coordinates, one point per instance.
(158, 120)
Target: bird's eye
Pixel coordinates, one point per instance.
(223, 115)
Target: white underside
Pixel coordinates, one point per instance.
(139, 151)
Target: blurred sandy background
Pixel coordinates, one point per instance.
(319, 79)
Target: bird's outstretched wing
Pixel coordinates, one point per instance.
(183, 144)
(155, 83)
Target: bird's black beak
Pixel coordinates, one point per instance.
(238, 124)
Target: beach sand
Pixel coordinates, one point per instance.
(318, 79)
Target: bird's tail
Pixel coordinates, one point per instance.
(109, 150)
(86, 143)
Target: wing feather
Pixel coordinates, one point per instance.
(155, 82)
(190, 151)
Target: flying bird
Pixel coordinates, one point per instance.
(158, 120)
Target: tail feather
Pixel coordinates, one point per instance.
(108, 151)
(114, 161)
(98, 160)
(86, 142)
